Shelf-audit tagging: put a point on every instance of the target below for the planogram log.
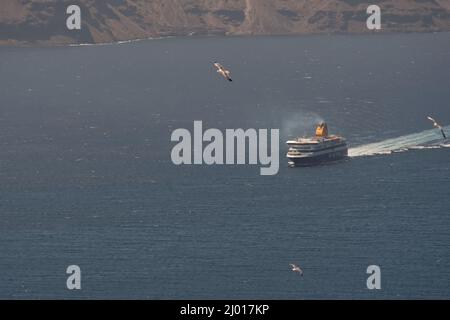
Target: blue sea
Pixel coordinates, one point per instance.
(87, 178)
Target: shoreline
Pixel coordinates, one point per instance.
(45, 44)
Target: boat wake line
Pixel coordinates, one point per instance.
(428, 139)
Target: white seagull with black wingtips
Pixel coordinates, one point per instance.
(437, 126)
(224, 72)
(296, 269)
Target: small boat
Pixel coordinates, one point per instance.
(318, 149)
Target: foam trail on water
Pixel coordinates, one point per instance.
(427, 139)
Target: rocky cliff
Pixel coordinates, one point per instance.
(44, 21)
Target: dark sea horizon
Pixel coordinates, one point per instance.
(87, 177)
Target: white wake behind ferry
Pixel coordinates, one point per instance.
(318, 149)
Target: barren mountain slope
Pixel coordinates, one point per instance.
(44, 21)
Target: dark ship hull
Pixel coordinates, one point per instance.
(318, 159)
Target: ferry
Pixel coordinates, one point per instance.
(318, 149)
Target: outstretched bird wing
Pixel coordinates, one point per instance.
(434, 121)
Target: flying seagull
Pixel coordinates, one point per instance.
(437, 126)
(296, 269)
(224, 72)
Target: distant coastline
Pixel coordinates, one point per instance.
(46, 44)
(37, 23)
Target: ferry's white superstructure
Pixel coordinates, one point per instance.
(320, 148)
